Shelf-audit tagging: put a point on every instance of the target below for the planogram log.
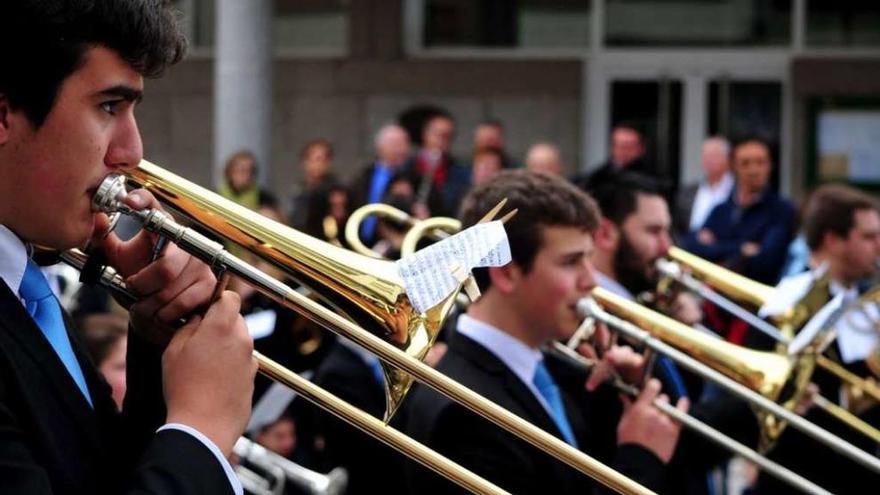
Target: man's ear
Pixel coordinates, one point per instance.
(606, 236)
(504, 278)
(831, 242)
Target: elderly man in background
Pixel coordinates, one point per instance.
(544, 157)
(392, 159)
(695, 201)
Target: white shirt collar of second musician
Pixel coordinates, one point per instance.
(521, 359)
(611, 285)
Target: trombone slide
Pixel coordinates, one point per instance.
(213, 254)
(768, 465)
(589, 307)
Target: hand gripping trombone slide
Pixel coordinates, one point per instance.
(107, 200)
(769, 466)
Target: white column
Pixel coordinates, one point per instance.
(243, 82)
(596, 105)
(694, 120)
(798, 25)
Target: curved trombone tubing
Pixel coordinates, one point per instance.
(769, 466)
(357, 217)
(191, 196)
(656, 322)
(436, 228)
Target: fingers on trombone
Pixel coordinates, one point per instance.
(651, 392)
(683, 404)
(602, 336)
(586, 350)
(601, 372)
(629, 364)
(807, 399)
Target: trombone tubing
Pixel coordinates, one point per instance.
(222, 261)
(770, 330)
(769, 466)
(644, 337)
(329, 402)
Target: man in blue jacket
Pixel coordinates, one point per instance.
(749, 233)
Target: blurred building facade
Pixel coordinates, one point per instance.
(557, 70)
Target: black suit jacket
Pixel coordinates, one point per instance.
(496, 454)
(51, 441)
(372, 466)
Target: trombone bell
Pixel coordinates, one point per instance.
(367, 291)
(775, 376)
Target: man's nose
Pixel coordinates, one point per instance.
(126, 148)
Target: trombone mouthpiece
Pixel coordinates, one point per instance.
(588, 307)
(668, 268)
(110, 193)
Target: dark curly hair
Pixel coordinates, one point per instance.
(44, 41)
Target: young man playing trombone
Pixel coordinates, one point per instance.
(72, 75)
(496, 352)
(841, 226)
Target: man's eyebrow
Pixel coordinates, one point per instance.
(125, 92)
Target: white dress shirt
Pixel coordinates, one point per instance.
(709, 197)
(613, 286)
(13, 261)
(521, 359)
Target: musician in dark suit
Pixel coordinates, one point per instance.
(354, 375)
(842, 228)
(496, 353)
(72, 74)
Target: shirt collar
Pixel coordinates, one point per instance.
(515, 354)
(614, 286)
(849, 294)
(13, 259)
(724, 185)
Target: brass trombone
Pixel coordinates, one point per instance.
(366, 290)
(744, 289)
(370, 425)
(567, 352)
(757, 377)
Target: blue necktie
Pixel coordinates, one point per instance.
(548, 389)
(376, 367)
(46, 312)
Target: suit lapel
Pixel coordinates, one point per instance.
(22, 329)
(526, 401)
